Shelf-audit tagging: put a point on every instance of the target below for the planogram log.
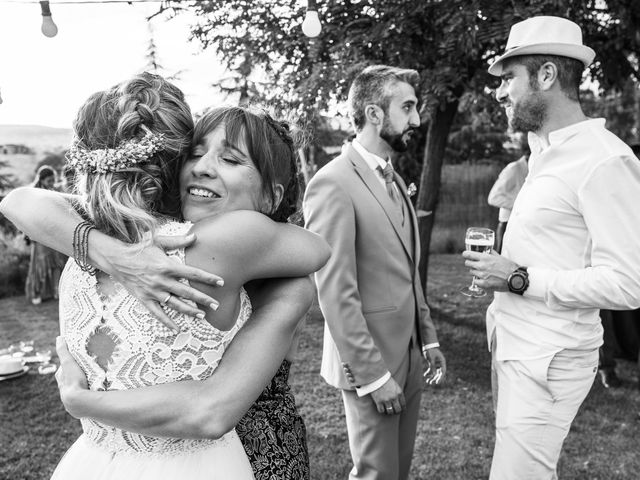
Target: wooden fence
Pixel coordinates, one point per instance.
(462, 204)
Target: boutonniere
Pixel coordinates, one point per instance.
(411, 190)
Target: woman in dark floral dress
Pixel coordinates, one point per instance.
(273, 433)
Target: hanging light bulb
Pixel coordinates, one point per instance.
(311, 26)
(49, 29)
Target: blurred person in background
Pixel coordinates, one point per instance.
(506, 188)
(45, 264)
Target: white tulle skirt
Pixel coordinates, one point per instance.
(87, 461)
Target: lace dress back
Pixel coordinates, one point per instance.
(144, 352)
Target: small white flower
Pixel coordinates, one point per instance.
(411, 190)
(125, 155)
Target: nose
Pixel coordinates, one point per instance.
(501, 92)
(205, 166)
(414, 120)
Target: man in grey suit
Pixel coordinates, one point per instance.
(377, 322)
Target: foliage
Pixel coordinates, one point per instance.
(620, 107)
(479, 131)
(7, 180)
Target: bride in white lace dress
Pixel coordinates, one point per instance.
(95, 310)
(128, 142)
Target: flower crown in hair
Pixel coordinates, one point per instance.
(126, 155)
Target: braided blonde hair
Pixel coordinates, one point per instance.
(127, 204)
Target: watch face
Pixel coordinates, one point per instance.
(517, 282)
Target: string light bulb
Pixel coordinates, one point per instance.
(49, 29)
(311, 26)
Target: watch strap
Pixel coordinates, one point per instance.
(522, 273)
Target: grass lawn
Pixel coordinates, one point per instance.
(455, 433)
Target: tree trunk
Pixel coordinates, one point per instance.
(437, 136)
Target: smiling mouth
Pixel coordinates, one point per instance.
(202, 192)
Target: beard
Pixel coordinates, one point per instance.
(529, 114)
(394, 139)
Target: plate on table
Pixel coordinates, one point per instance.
(17, 374)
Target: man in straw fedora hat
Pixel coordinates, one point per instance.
(570, 249)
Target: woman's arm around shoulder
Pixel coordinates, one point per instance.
(44, 215)
(248, 245)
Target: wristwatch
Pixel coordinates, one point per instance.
(518, 280)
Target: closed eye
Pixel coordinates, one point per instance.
(231, 160)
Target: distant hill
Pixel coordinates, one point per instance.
(39, 139)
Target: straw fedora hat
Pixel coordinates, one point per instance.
(545, 36)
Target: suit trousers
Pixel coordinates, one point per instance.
(382, 445)
(537, 401)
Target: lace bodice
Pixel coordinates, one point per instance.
(145, 351)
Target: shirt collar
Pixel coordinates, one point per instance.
(373, 160)
(536, 144)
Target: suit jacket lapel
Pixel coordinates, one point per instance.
(412, 213)
(378, 191)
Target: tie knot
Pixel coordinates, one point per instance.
(387, 172)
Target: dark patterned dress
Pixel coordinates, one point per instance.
(273, 433)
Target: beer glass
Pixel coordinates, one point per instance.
(477, 239)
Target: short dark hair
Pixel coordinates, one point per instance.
(372, 86)
(569, 72)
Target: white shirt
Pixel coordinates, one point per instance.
(576, 226)
(373, 160)
(505, 190)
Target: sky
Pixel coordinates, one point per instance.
(43, 81)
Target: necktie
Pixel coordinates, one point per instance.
(387, 173)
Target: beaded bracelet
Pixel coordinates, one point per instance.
(81, 246)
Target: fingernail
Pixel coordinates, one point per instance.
(220, 283)
(200, 315)
(214, 306)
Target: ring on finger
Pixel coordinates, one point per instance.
(164, 303)
(389, 409)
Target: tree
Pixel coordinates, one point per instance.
(449, 42)
(7, 180)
